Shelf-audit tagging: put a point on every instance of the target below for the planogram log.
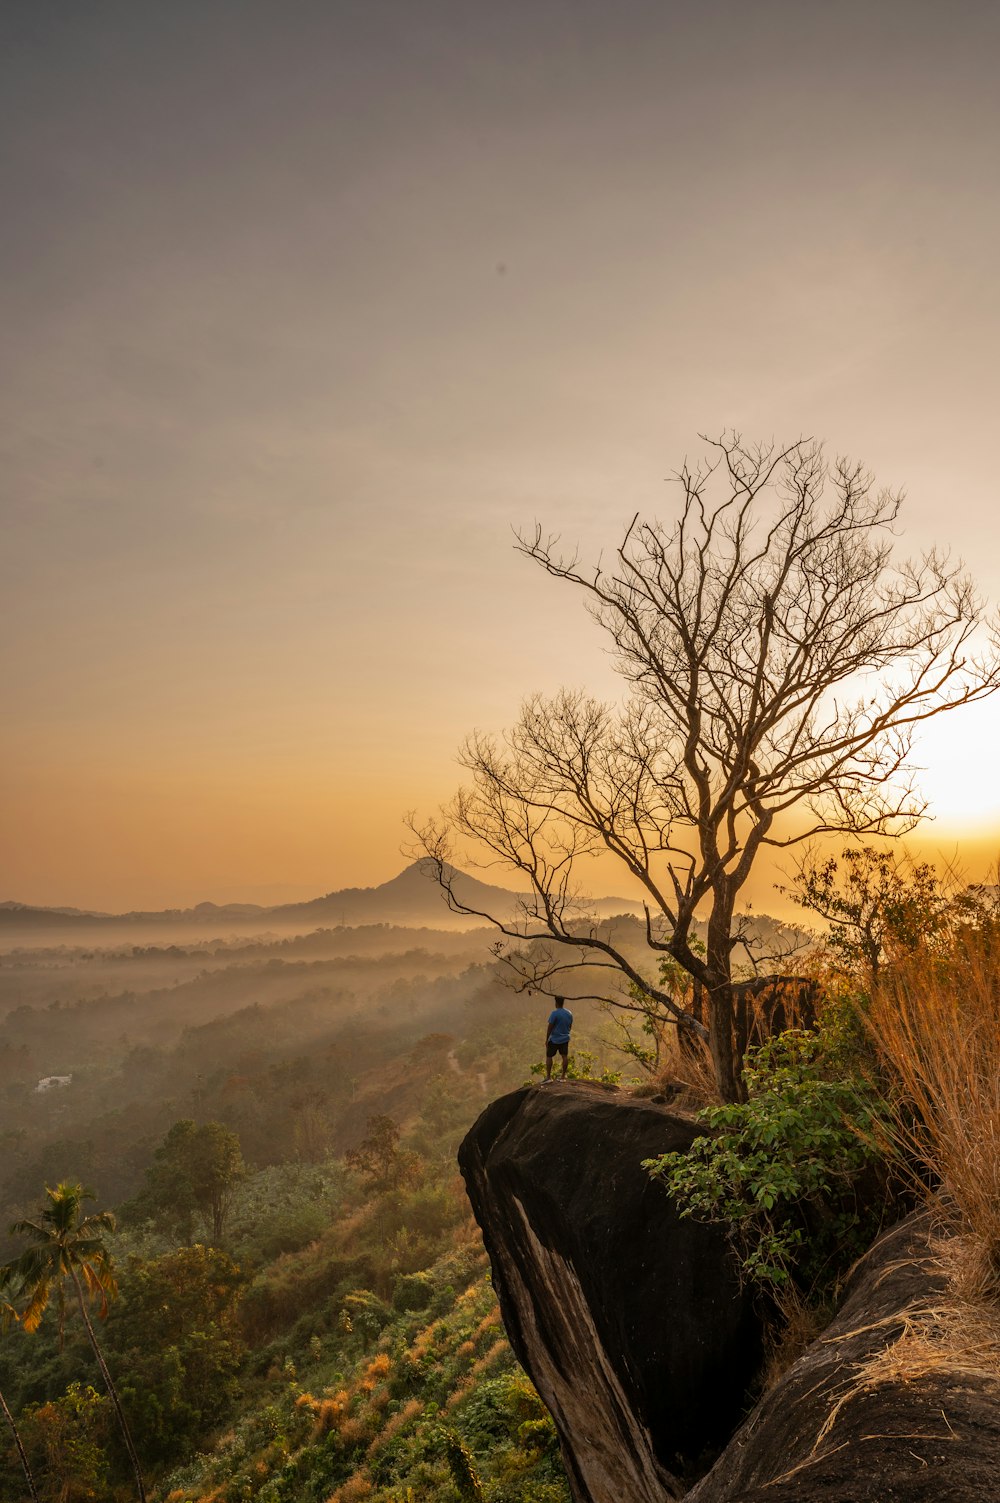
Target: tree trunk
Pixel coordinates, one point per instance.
(727, 1059)
(724, 1031)
(20, 1449)
(112, 1390)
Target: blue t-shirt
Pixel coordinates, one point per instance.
(561, 1020)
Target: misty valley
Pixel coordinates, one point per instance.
(271, 1111)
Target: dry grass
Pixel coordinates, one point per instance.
(936, 1023)
(956, 1331)
(396, 1422)
(489, 1323)
(328, 1413)
(952, 1335)
(353, 1490)
(691, 1069)
(800, 1325)
(375, 1373)
(352, 1431)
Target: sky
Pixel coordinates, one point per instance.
(306, 305)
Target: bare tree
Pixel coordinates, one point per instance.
(777, 660)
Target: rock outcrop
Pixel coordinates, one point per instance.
(631, 1322)
(863, 1417)
(636, 1332)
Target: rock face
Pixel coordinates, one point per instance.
(631, 1322)
(836, 1430)
(635, 1331)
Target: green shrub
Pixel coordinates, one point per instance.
(412, 1291)
(793, 1170)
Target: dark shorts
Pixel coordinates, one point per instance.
(552, 1049)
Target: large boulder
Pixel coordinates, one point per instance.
(631, 1322)
(865, 1417)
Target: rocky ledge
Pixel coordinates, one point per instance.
(636, 1332)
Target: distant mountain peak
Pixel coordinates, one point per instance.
(412, 898)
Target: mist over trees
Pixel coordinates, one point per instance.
(776, 657)
(270, 1125)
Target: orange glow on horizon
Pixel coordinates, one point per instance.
(304, 315)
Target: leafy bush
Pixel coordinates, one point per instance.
(791, 1169)
(412, 1291)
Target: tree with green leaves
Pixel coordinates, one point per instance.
(9, 1317)
(375, 1156)
(177, 1346)
(66, 1436)
(790, 1171)
(881, 905)
(66, 1247)
(194, 1172)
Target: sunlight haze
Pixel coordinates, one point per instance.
(306, 307)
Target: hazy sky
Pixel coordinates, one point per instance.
(305, 304)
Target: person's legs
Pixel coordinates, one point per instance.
(565, 1059)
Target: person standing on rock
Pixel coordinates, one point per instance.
(557, 1036)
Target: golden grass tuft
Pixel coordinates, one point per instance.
(936, 1023)
(410, 1410)
(329, 1415)
(692, 1070)
(353, 1490)
(488, 1324)
(497, 1350)
(461, 1391)
(351, 1431)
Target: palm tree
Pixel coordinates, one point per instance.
(62, 1246)
(8, 1315)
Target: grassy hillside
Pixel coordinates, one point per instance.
(341, 1339)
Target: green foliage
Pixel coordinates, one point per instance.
(412, 1291)
(364, 1281)
(508, 1408)
(363, 1314)
(63, 1245)
(180, 1350)
(786, 1168)
(186, 1290)
(194, 1172)
(428, 1406)
(876, 902)
(283, 1208)
(377, 1157)
(65, 1439)
(463, 1469)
